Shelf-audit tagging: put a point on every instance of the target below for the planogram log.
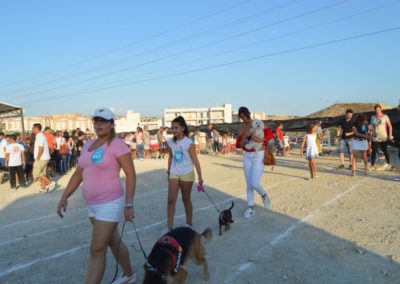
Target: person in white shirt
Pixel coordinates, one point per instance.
(3, 145)
(181, 163)
(42, 156)
(15, 161)
(59, 141)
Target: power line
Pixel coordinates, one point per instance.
(266, 40)
(254, 58)
(133, 43)
(258, 29)
(163, 46)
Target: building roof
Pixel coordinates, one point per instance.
(340, 109)
(8, 110)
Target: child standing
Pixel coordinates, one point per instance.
(224, 150)
(15, 161)
(181, 161)
(360, 142)
(310, 139)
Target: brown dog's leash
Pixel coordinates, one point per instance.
(200, 188)
(119, 244)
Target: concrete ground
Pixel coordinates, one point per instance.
(338, 229)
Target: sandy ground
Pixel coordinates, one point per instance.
(338, 229)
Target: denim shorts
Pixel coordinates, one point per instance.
(345, 145)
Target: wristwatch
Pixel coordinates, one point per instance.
(129, 205)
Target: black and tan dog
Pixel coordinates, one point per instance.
(225, 219)
(166, 262)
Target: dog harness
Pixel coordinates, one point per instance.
(174, 249)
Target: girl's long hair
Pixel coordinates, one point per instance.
(182, 122)
(360, 119)
(113, 134)
(310, 128)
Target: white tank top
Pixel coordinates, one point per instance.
(181, 161)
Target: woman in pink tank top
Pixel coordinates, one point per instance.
(99, 168)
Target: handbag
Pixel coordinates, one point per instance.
(269, 159)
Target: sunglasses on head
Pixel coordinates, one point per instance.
(99, 120)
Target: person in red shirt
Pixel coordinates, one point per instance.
(253, 162)
(280, 140)
(50, 139)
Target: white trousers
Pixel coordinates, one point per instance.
(253, 169)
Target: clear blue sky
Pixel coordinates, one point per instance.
(40, 38)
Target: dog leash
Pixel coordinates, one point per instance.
(119, 244)
(200, 188)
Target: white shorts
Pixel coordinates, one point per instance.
(112, 211)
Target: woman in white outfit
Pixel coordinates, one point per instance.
(253, 162)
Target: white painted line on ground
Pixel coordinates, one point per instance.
(23, 222)
(282, 236)
(66, 226)
(24, 238)
(19, 267)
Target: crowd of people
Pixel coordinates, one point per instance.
(41, 155)
(97, 159)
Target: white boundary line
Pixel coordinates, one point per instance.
(24, 222)
(5, 242)
(282, 236)
(22, 266)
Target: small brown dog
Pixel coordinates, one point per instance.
(166, 262)
(225, 219)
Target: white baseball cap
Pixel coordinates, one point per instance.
(104, 112)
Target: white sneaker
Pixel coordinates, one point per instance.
(125, 279)
(266, 201)
(249, 213)
(188, 226)
(165, 231)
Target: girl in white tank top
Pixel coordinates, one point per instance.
(181, 163)
(310, 139)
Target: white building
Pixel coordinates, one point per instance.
(68, 121)
(128, 123)
(199, 116)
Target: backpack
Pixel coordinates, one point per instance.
(63, 149)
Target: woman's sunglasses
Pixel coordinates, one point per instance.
(99, 120)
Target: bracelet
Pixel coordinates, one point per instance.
(129, 205)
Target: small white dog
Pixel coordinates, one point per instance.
(258, 131)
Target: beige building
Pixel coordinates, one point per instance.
(151, 122)
(68, 121)
(200, 116)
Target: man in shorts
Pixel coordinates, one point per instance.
(345, 133)
(42, 157)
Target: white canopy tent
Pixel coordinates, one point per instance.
(7, 111)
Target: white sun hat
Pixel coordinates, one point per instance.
(104, 112)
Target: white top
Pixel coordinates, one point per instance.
(59, 141)
(3, 144)
(15, 150)
(312, 148)
(379, 132)
(70, 145)
(41, 141)
(181, 161)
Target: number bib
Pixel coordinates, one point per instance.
(178, 157)
(98, 156)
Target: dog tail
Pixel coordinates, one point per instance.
(233, 204)
(206, 235)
